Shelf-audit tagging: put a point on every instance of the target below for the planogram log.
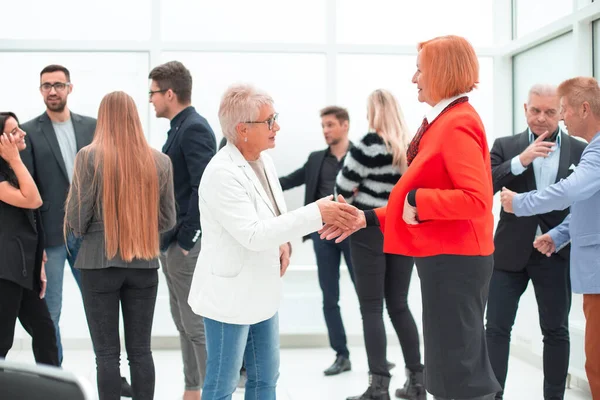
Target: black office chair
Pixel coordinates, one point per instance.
(39, 382)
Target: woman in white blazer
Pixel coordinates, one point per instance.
(246, 231)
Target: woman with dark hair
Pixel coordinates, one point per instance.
(120, 200)
(22, 277)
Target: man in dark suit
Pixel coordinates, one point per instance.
(318, 174)
(53, 140)
(532, 160)
(190, 144)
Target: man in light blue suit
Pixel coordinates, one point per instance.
(580, 110)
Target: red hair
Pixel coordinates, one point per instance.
(450, 66)
(128, 187)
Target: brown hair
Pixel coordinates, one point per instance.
(129, 192)
(579, 90)
(55, 68)
(450, 65)
(175, 76)
(341, 114)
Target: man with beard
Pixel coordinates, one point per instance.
(53, 140)
(318, 174)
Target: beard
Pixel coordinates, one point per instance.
(56, 107)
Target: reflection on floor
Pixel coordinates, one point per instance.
(301, 375)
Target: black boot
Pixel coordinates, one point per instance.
(378, 389)
(413, 387)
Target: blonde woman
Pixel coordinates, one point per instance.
(371, 169)
(120, 200)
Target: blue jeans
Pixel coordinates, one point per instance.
(55, 268)
(228, 345)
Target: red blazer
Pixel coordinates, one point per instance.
(452, 172)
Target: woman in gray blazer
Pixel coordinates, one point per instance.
(120, 200)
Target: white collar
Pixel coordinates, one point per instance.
(439, 107)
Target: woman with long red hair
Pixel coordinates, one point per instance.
(120, 200)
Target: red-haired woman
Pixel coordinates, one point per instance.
(120, 199)
(440, 212)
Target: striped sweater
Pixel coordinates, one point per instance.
(368, 169)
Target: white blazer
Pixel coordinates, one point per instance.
(237, 280)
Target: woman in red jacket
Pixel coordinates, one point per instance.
(440, 212)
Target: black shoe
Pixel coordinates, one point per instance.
(126, 388)
(340, 365)
(390, 365)
(413, 387)
(378, 389)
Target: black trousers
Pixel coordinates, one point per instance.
(18, 302)
(329, 256)
(552, 286)
(454, 292)
(135, 291)
(380, 277)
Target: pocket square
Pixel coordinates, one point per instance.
(572, 167)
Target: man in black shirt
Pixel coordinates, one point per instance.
(318, 174)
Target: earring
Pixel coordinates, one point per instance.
(246, 139)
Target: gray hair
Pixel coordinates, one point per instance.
(541, 89)
(240, 103)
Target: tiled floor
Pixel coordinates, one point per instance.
(301, 375)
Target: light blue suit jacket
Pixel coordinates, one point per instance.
(580, 191)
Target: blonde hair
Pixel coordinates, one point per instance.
(128, 189)
(386, 118)
(579, 90)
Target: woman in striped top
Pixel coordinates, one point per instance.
(371, 169)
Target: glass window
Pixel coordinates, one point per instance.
(270, 21)
(531, 15)
(596, 48)
(550, 62)
(93, 75)
(76, 20)
(393, 22)
(359, 75)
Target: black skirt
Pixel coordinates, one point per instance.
(454, 293)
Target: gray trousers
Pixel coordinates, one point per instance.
(179, 270)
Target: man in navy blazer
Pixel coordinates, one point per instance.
(190, 145)
(580, 110)
(318, 175)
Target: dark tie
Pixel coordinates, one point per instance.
(413, 147)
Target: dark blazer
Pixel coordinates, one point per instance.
(84, 218)
(21, 246)
(46, 164)
(515, 235)
(190, 145)
(307, 175)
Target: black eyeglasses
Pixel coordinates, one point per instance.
(58, 86)
(270, 122)
(151, 92)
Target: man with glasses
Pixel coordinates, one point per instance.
(190, 144)
(54, 138)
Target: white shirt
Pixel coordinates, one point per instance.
(439, 107)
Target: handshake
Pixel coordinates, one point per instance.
(544, 243)
(341, 219)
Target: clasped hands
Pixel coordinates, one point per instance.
(543, 243)
(340, 218)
